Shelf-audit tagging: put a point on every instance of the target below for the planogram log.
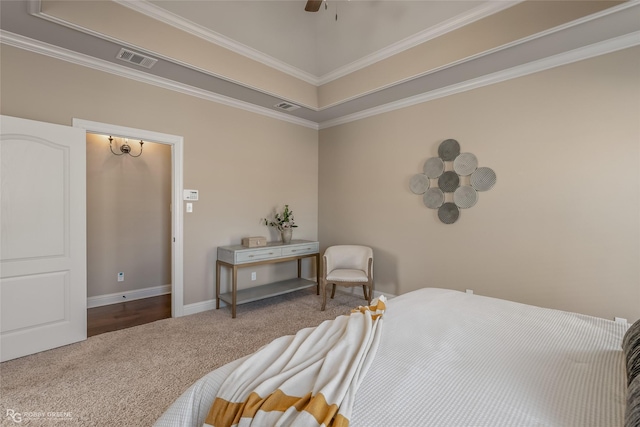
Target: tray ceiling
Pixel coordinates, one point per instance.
(315, 49)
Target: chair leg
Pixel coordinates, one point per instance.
(333, 291)
(364, 290)
(323, 289)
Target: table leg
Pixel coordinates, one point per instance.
(318, 272)
(218, 268)
(234, 291)
(299, 268)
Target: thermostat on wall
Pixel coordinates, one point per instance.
(190, 194)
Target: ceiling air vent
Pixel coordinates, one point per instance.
(136, 58)
(286, 106)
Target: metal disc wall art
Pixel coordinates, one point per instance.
(433, 198)
(449, 150)
(433, 167)
(465, 197)
(448, 213)
(448, 181)
(465, 164)
(419, 183)
(483, 179)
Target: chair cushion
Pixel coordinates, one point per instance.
(346, 275)
(347, 257)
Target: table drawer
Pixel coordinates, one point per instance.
(257, 255)
(293, 250)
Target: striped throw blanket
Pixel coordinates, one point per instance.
(307, 379)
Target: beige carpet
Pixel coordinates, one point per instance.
(129, 377)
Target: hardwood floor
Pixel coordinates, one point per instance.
(127, 314)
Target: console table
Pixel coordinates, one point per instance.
(238, 256)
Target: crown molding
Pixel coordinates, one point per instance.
(608, 46)
(34, 8)
(430, 33)
(155, 12)
(162, 15)
(36, 46)
(584, 20)
(596, 49)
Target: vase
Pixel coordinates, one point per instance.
(286, 235)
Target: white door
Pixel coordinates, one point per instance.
(43, 273)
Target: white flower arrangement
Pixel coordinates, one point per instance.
(281, 221)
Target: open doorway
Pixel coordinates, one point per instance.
(174, 143)
(128, 232)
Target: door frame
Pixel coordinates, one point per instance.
(177, 224)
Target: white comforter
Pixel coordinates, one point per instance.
(449, 359)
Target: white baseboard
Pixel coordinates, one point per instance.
(358, 289)
(199, 307)
(100, 300)
(376, 294)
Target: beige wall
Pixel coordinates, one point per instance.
(561, 228)
(128, 217)
(243, 164)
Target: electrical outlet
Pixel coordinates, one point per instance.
(469, 291)
(253, 275)
(121, 276)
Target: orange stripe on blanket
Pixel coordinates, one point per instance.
(278, 401)
(339, 421)
(321, 410)
(226, 414)
(376, 310)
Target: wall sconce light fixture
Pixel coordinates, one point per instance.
(125, 148)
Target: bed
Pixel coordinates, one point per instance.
(447, 358)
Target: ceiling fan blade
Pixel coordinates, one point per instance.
(313, 5)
